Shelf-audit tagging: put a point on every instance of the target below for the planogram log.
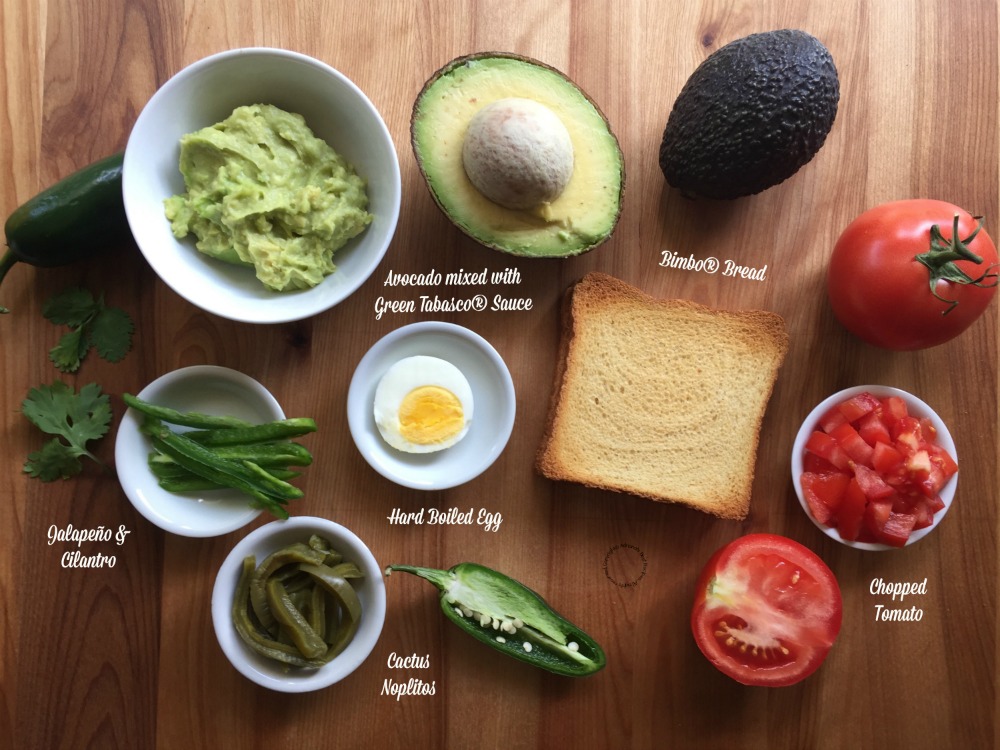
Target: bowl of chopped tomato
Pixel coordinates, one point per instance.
(874, 467)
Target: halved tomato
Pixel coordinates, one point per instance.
(766, 610)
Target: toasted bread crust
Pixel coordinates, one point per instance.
(661, 399)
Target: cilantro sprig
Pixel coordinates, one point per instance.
(77, 418)
(93, 324)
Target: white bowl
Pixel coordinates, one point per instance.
(916, 408)
(493, 412)
(207, 92)
(202, 388)
(262, 542)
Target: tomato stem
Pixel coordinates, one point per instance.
(940, 261)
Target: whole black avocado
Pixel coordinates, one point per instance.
(751, 115)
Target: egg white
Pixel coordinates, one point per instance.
(405, 376)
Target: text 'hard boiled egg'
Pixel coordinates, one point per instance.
(423, 404)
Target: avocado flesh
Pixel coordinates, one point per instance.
(586, 212)
(751, 115)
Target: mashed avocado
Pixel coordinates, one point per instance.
(263, 191)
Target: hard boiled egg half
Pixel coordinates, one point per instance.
(423, 404)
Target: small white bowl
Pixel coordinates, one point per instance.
(206, 92)
(262, 542)
(916, 408)
(493, 412)
(202, 388)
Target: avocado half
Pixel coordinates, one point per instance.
(580, 218)
(751, 115)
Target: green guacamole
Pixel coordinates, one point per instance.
(263, 191)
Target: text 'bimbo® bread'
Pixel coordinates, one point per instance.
(660, 398)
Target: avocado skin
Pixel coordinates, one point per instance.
(751, 115)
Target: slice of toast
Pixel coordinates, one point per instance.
(660, 398)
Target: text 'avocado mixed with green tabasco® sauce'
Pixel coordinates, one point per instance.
(505, 614)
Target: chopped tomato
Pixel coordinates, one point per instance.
(858, 406)
(919, 463)
(816, 465)
(819, 510)
(832, 419)
(898, 528)
(851, 512)
(767, 610)
(823, 492)
(853, 444)
(872, 484)
(892, 470)
(885, 458)
(923, 517)
(907, 431)
(924, 512)
(943, 460)
(876, 514)
(828, 448)
(893, 409)
(873, 430)
(942, 467)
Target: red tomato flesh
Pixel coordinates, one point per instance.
(885, 458)
(873, 429)
(853, 444)
(826, 447)
(882, 466)
(858, 406)
(851, 513)
(824, 492)
(898, 528)
(766, 611)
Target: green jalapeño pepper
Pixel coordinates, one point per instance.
(510, 617)
(78, 217)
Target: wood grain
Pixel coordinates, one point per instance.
(126, 657)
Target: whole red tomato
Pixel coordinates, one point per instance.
(912, 274)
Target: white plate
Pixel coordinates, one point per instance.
(206, 92)
(203, 388)
(262, 542)
(492, 393)
(917, 408)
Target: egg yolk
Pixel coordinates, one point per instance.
(430, 414)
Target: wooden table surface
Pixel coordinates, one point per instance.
(125, 657)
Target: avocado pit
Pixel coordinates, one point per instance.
(518, 153)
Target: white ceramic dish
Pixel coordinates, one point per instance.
(262, 542)
(210, 390)
(494, 406)
(917, 408)
(207, 92)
